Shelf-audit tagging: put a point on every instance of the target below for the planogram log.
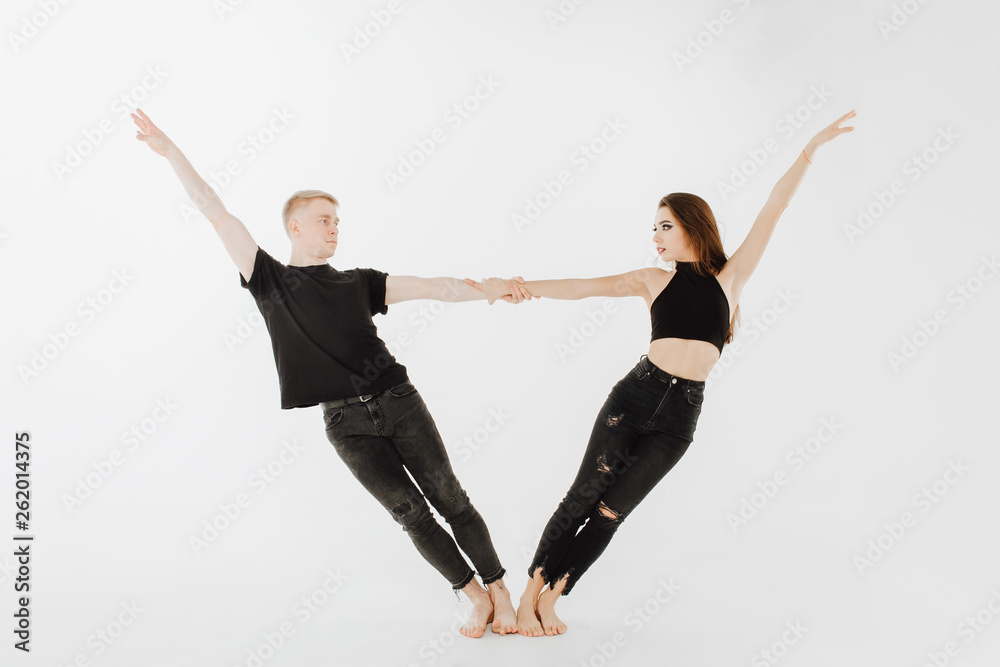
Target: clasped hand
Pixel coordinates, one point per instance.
(510, 290)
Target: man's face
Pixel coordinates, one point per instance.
(314, 227)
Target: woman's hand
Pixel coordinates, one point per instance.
(158, 142)
(498, 288)
(833, 130)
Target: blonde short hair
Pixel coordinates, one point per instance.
(298, 200)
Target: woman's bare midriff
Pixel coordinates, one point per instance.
(691, 359)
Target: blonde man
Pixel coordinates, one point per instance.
(327, 352)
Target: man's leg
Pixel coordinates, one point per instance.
(374, 461)
(420, 447)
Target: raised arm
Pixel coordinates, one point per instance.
(743, 262)
(408, 288)
(235, 237)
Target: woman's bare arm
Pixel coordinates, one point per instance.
(744, 261)
(631, 283)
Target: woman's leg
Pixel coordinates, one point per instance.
(657, 454)
(664, 440)
(607, 457)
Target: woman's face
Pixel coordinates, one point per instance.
(669, 237)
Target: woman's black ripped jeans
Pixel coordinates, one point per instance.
(376, 439)
(643, 429)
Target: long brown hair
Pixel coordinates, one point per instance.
(702, 232)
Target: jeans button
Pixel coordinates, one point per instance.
(674, 381)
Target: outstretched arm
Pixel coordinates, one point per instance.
(744, 261)
(235, 237)
(407, 288)
(632, 283)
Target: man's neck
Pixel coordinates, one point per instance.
(303, 259)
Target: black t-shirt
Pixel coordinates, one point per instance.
(320, 321)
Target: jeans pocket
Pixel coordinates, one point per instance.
(333, 416)
(695, 396)
(401, 390)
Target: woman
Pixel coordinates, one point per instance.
(649, 418)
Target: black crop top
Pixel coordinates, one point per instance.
(691, 306)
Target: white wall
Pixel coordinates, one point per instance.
(858, 294)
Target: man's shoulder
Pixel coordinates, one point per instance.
(364, 271)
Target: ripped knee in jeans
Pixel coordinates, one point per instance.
(607, 512)
(401, 510)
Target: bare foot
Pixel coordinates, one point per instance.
(547, 612)
(482, 611)
(505, 621)
(527, 617)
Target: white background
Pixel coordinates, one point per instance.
(857, 299)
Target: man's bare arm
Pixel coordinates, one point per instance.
(234, 234)
(408, 288)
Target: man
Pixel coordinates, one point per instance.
(327, 352)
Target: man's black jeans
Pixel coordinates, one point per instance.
(643, 429)
(376, 439)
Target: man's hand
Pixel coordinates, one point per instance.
(158, 142)
(510, 290)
